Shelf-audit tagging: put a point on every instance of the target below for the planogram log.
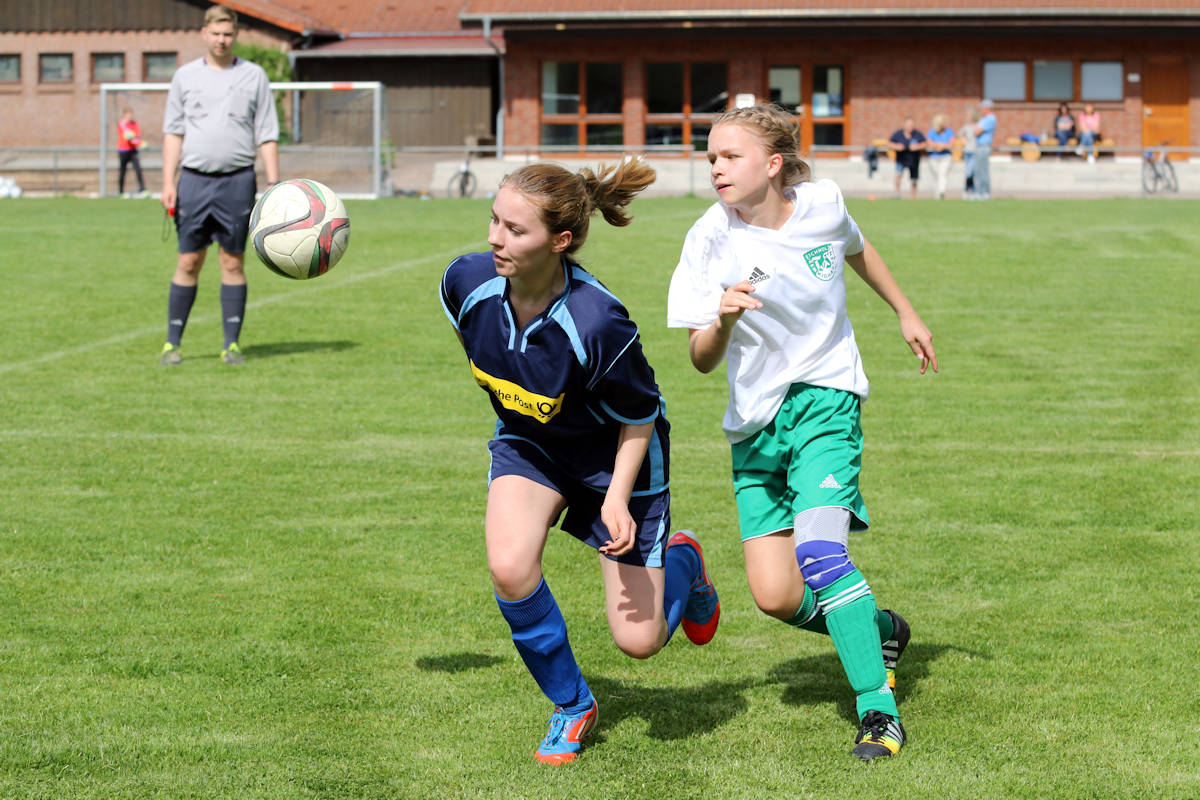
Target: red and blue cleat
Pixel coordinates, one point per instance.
(703, 610)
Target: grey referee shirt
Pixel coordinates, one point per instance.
(223, 115)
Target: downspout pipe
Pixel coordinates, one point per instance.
(487, 37)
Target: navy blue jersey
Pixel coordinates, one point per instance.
(569, 379)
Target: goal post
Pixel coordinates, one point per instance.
(335, 130)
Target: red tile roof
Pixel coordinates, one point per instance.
(398, 17)
(611, 8)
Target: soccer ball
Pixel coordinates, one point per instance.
(299, 228)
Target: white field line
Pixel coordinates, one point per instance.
(307, 287)
(1136, 451)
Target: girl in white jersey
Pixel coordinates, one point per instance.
(760, 283)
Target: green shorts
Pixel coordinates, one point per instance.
(809, 456)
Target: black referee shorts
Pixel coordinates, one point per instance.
(216, 206)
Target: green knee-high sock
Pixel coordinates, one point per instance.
(810, 618)
(849, 610)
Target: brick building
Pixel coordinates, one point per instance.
(580, 73)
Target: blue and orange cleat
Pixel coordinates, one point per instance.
(565, 735)
(703, 610)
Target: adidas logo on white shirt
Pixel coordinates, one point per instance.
(757, 276)
(830, 482)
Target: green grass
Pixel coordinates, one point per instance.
(269, 582)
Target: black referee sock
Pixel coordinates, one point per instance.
(233, 309)
(179, 306)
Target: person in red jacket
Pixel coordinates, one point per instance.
(129, 141)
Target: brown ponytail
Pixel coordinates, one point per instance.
(568, 199)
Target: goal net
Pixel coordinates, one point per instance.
(330, 132)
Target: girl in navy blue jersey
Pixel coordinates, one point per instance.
(580, 430)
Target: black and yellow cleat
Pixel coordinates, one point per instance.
(879, 737)
(170, 356)
(232, 355)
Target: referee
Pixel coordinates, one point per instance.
(219, 112)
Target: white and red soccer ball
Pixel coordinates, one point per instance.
(299, 228)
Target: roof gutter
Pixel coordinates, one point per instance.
(827, 13)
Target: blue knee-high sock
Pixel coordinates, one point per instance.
(681, 566)
(179, 306)
(849, 610)
(233, 310)
(540, 634)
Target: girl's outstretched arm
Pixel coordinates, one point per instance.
(871, 268)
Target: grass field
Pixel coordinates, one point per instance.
(269, 582)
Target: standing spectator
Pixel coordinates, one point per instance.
(941, 141)
(129, 141)
(219, 111)
(1064, 126)
(967, 134)
(907, 143)
(985, 133)
(1089, 131)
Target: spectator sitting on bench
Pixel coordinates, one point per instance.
(1064, 125)
(1089, 131)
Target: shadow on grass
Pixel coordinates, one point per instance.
(670, 713)
(272, 349)
(820, 678)
(457, 662)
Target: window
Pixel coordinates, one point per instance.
(827, 92)
(1101, 80)
(1004, 80)
(581, 103)
(664, 88)
(55, 68)
(560, 87)
(1053, 80)
(604, 88)
(681, 100)
(108, 67)
(709, 89)
(10, 68)
(158, 66)
(784, 87)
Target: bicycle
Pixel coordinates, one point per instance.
(463, 182)
(1157, 172)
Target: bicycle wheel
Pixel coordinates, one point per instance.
(1149, 177)
(461, 185)
(1170, 182)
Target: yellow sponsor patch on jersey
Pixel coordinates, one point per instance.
(517, 398)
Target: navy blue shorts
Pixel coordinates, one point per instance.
(209, 207)
(652, 513)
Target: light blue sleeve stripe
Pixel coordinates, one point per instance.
(446, 308)
(563, 317)
(491, 288)
(627, 420)
(590, 280)
(608, 369)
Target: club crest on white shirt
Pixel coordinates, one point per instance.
(821, 261)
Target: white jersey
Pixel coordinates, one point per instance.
(802, 333)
